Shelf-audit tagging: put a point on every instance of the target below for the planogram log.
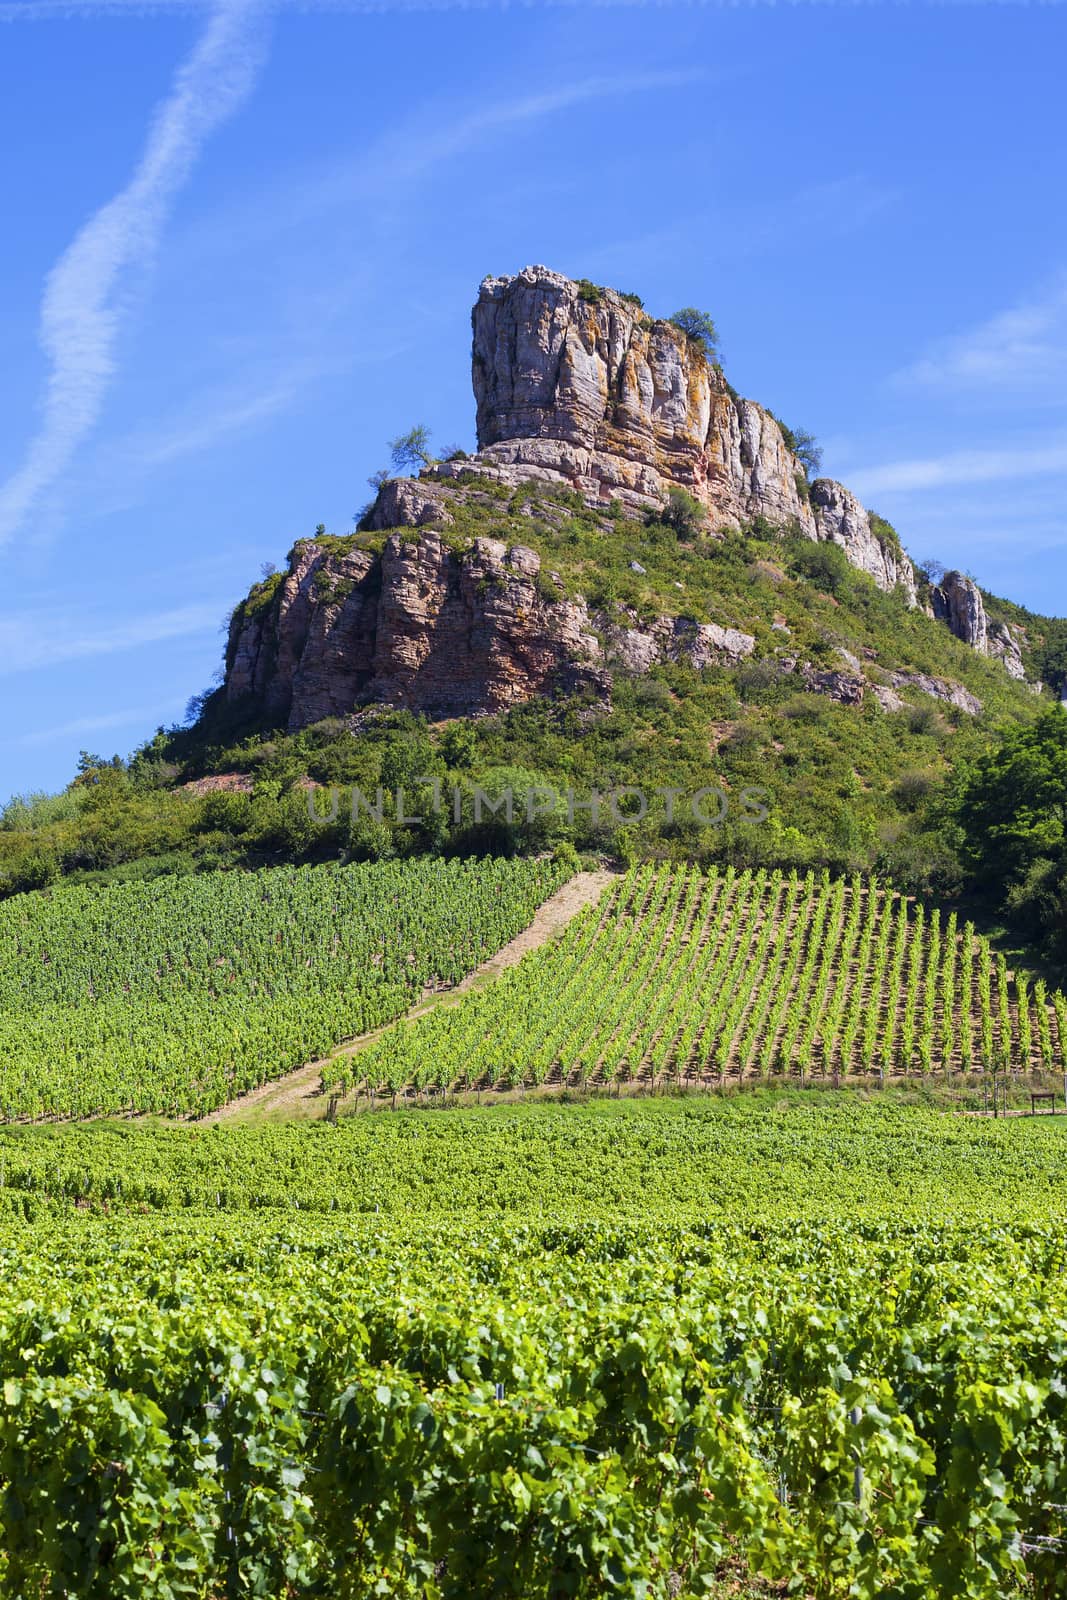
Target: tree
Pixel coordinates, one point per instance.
(1051, 656)
(411, 451)
(824, 564)
(699, 327)
(683, 513)
(1012, 810)
(808, 451)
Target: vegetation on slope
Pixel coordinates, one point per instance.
(853, 789)
(639, 1344)
(746, 1159)
(683, 977)
(176, 996)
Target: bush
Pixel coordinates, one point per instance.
(923, 719)
(683, 513)
(912, 788)
(825, 565)
(699, 328)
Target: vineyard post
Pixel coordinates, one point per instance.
(857, 1471)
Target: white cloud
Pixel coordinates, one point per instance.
(961, 467)
(1021, 349)
(82, 307)
(33, 640)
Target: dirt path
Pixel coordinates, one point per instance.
(293, 1095)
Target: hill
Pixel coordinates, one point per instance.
(633, 583)
(681, 978)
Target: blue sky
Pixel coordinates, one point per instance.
(243, 243)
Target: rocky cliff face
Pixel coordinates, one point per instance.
(579, 387)
(431, 630)
(840, 519)
(575, 387)
(957, 601)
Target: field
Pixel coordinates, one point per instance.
(753, 1327)
(615, 1349)
(176, 995)
(686, 976)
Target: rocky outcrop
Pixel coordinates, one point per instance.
(429, 629)
(845, 688)
(699, 644)
(841, 520)
(577, 386)
(410, 503)
(957, 602)
(850, 687)
(420, 627)
(950, 694)
(1004, 644)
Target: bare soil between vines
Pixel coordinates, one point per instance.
(298, 1093)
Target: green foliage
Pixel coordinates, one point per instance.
(1011, 808)
(886, 534)
(598, 1351)
(410, 451)
(177, 994)
(667, 730)
(823, 564)
(791, 975)
(808, 451)
(1050, 657)
(682, 513)
(699, 328)
(591, 293)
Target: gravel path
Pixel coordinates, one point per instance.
(295, 1094)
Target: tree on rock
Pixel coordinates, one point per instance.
(411, 451)
(699, 327)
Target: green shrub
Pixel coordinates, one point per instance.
(699, 328)
(683, 513)
(825, 565)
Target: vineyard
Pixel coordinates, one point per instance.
(769, 1153)
(175, 996)
(549, 1351)
(686, 976)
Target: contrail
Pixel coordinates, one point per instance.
(82, 307)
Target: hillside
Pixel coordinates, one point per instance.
(681, 978)
(175, 996)
(633, 582)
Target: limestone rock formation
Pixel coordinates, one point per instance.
(840, 519)
(1004, 644)
(957, 601)
(419, 627)
(700, 644)
(429, 629)
(577, 386)
(950, 694)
